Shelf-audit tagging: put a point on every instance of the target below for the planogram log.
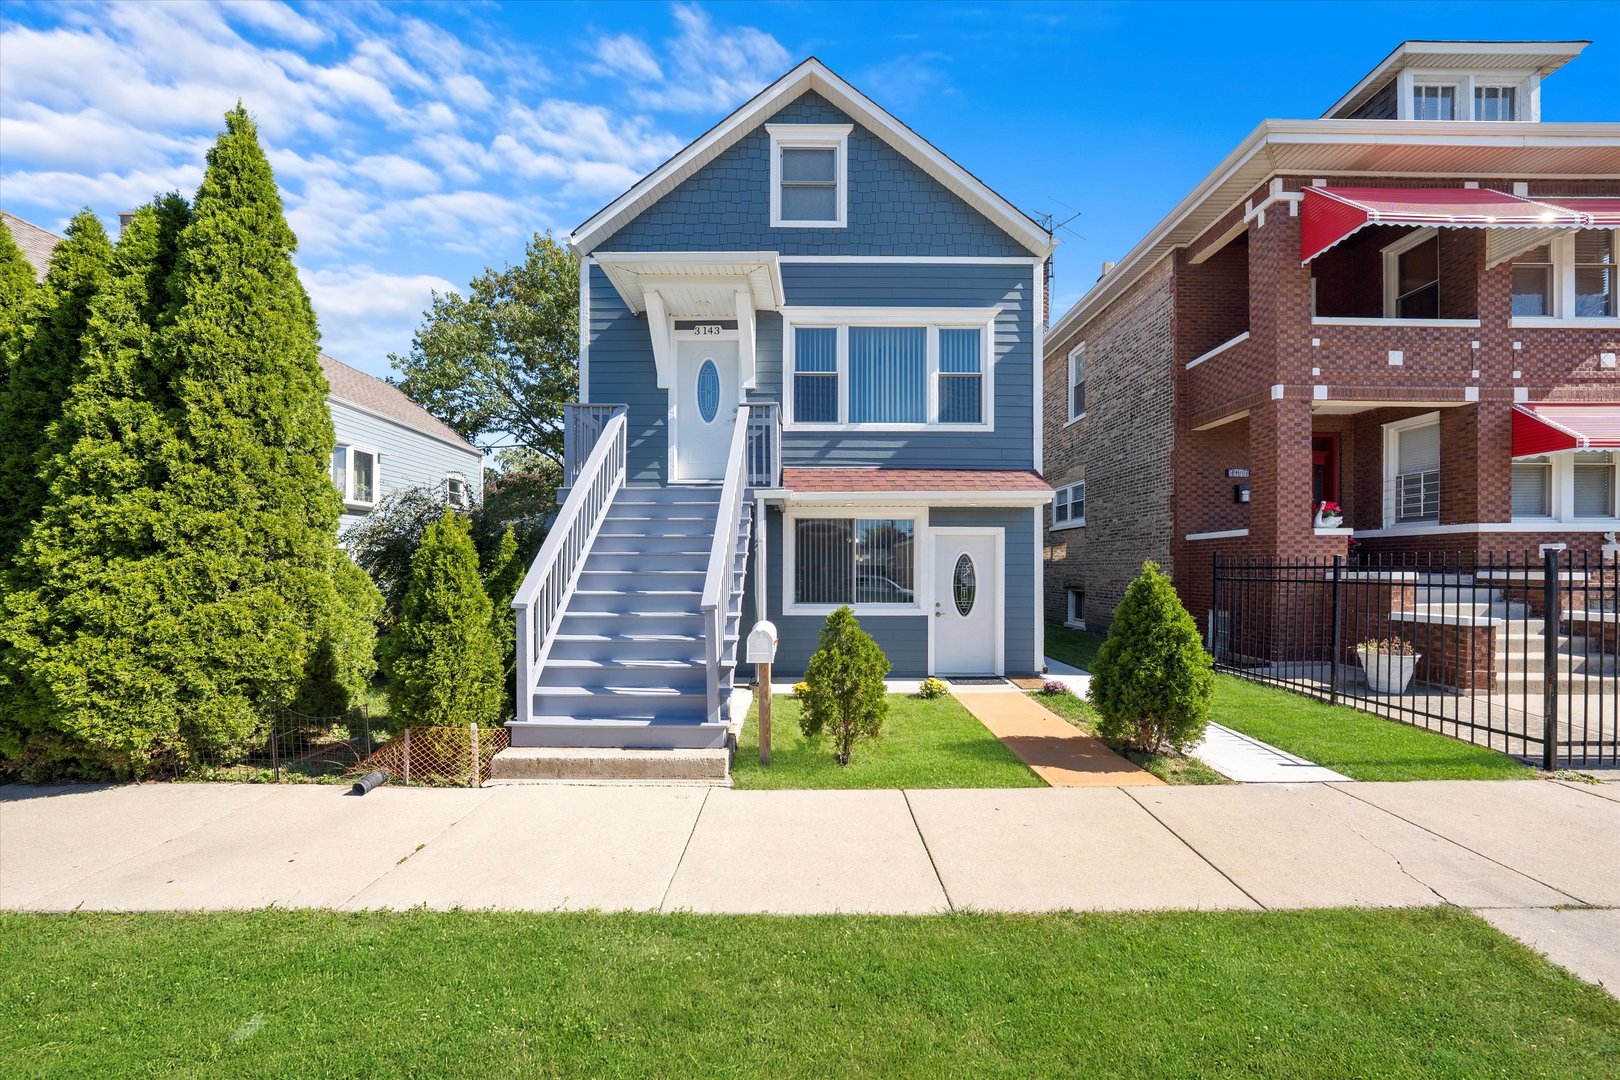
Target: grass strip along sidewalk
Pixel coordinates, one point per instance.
(1397, 993)
(926, 743)
(1358, 744)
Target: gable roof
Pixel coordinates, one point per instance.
(37, 244)
(354, 387)
(811, 75)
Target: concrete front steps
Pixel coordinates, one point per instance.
(626, 676)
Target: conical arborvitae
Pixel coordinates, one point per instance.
(18, 289)
(506, 570)
(44, 371)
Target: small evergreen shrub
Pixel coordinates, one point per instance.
(932, 688)
(1152, 682)
(442, 658)
(844, 693)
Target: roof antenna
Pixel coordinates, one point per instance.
(1050, 223)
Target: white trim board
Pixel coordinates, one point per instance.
(811, 75)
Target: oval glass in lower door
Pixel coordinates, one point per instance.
(708, 391)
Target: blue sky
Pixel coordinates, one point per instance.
(417, 143)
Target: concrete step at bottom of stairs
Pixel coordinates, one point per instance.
(706, 766)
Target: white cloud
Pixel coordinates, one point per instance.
(277, 18)
(626, 56)
(367, 313)
(717, 69)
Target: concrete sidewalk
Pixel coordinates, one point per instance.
(1518, 848)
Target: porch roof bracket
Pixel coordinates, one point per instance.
(661, 330)
(745, 337)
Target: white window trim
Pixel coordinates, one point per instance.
(1527, 104)
(1076, 353)
(921, 567)
(466, 491)
(933, 319)
(1392, 463)
(810, 136)
(1392, 270)
(1072, 522)
(1561, 484)
(1562, 251)
(350, 449)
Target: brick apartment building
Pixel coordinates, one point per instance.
(1406, 307)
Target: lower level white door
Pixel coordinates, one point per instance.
(703, 408)
(967, 602)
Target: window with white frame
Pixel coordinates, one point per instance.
(809, 170)
(1572, 277)
(1075, 615)
(1577, 486)
(1434, 101)
(455, 491)
(1412, 470)
(1077, 382)
(1412, 276)
(877, 370)
(355, 471)
(1495, 102)
(1069, 506)
(863, 562)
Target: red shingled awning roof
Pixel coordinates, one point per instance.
(863, 480)
(1547, 427)
(1329, 215)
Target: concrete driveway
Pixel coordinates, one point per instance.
(1516, 851)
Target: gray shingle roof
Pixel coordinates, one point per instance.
(36, 243)
(348, 384)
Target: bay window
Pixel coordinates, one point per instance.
(885, 369)
(863, 562)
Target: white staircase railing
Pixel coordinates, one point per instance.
(765, 445)
(723, 559)
(551, 577)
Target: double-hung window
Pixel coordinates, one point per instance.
(1069, 506)
(455, 491)
(863, 562)
(1594, 259)
(889, 369)
(1593, 487)
(1533, 283)
(809, 170)
(1412, 470)
(1577, 486)
(1572, 277)
(1077, 382)
(355, 471)
(1412, 276)
(1532, 487)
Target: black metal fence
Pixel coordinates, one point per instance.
(1521, 654)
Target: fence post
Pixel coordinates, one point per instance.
(477, 772)
(1338, 630)
(275, 742)
(1214, 598)
(1552, 620)
(407, 757)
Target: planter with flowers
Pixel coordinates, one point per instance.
(1329, 515)
(1389, 664)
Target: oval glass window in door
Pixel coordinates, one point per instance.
(708, 391)
(964, 584)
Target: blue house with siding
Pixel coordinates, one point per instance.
(810, 376)
(386, 443)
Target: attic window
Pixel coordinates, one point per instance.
(809, 172)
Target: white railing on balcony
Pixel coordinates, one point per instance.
(551, 577)
(717, 582)
(582, 428)
(765, 445)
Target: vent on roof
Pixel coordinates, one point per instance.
(1107, 266)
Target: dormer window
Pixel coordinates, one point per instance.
(1432, 101)
(1496, 102)
(809, 171)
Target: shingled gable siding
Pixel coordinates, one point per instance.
(895, 208)
(409, 458)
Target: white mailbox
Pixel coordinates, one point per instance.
(762, 643)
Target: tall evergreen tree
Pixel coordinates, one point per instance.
(506, 570)
(442, 658)
(18, 288)
(42, 373)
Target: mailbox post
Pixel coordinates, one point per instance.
(762, 643)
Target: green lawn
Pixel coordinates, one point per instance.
(925, 744)
(1404, 993)
(1358, 744)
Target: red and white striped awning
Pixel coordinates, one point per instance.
(1551, 427)
(1330, 215)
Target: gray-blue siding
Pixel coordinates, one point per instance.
(622, 369)
(904, 638)
(894, 207)
(408, 458)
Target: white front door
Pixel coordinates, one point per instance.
(703, 408)
(967, 601)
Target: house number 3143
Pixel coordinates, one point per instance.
(706, 329)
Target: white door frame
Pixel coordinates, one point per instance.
(998, 535)
(676, 337)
